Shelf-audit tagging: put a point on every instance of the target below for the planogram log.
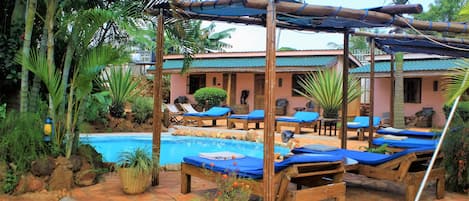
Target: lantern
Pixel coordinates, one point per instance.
(48, 126)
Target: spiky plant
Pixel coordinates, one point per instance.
(123, 87)
(325, 89)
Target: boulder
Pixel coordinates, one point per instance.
(76, 162)
(62, 177)
(86, 176)
(30, 183)
(43, 166)
(88, 152)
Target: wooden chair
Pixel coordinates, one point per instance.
(299, 120)
(175, 115)
(214, 114)
(324, 180)
(406, 167)
(256, 116)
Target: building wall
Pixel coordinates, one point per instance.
(429, 97)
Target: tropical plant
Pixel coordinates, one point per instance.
(142, 108)
(135, 169)
(3, 111)
(209, 96)
(97, 107)
(325, 89)
(122, 86)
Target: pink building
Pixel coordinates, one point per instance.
(423, 77)
(244, 71)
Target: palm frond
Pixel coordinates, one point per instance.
(457, 81)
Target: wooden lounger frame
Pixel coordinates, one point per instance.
(230, 122)
(297, 125)
(200, 119)
(408, 170)
(311, 175)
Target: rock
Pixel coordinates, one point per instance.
(86, 176)
(30, 183)
(62, 177)
(76, 162)
(67, 199)
(88, 152)
(43, 166)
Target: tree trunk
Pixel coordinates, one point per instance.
(34, 100)
(30, 14)
(49, 23)
(66, 71)
(399, 121)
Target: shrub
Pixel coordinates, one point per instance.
(123, 87)
(456, 149)
(210, 96)
(231, 187)
(97, 107)
(3, 111)
(142, 109)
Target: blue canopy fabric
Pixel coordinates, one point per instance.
(251, 167)
(406, 143)
(391, 46)
(366, 158)
(212, 112)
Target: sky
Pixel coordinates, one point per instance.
(252, 38)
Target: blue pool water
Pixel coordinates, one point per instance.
(173, 148)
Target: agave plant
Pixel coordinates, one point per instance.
(123, 87)
(325, 89)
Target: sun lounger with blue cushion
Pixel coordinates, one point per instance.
(256, 116)
(406, 142)
(406, 167)
(213, 114)
(360, 123)
(405, 132)
(298, 120)
(321, 172)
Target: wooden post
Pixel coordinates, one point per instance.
(269, 104)
(372, 91)
(391, 79)
(343, 129)
(157, 97)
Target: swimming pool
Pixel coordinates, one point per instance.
(173, 148)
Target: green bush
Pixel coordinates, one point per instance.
(142, 109)
(97, 107)
(3, 111)
(210, 96)
(456, 149)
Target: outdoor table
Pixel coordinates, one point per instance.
(328, 122)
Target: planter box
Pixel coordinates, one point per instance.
(133, 182)
(240, 109)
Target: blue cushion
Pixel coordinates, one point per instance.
(256, 114)
(212, 112)
(364, 122)
(405, 143)
(409, 133)
(366, 158)
(251, 167)
(301, 117)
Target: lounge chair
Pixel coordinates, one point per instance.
(213, 114)
(361, 123)
(320, 172)
(187, 107)
(397, 143)
(406, 167)
(298, 120)
(256, 116)
(405, 132)
(175, 115)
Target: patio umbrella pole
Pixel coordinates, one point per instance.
(440, 142)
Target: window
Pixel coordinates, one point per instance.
(196, 82)
(412, 90)
(295, 85)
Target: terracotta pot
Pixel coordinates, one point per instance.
(134, 182)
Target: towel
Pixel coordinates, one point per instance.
(392, 130)
(353, 123)
(320, 147)
(393, 137)
(223, 155)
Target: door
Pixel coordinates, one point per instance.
(229, 81)
(259, 83)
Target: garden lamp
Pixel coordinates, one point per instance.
(47, 128)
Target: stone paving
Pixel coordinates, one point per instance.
(109, 189)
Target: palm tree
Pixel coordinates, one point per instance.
(398, 120)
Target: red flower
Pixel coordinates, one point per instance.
(224, 176)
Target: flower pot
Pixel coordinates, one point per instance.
(134, 182)
(240, 108)
(330, 114)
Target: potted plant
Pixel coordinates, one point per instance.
(325, 89)
(135, 170)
